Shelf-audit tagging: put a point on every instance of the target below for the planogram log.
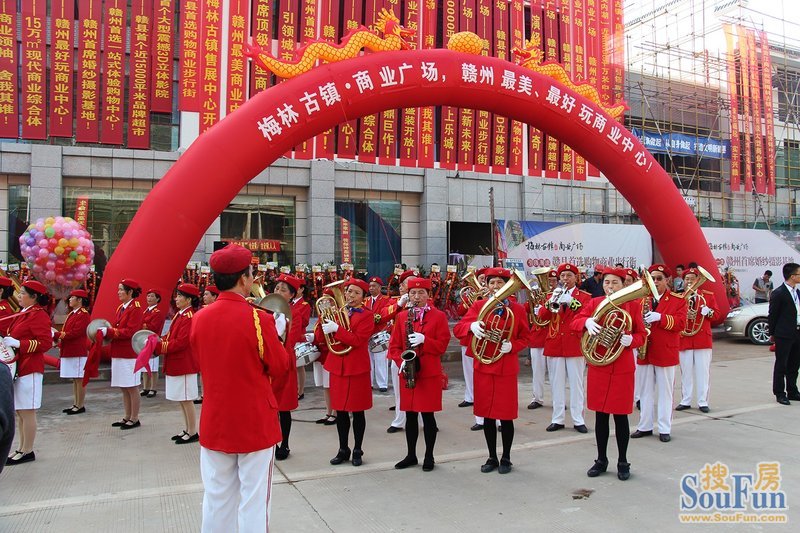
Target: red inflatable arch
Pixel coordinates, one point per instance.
(176, 214)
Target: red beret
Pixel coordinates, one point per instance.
(658, 267)
(497, 272)
(231, 259)
(552, 274)
(157, 292)
(292, 281)
(35, 286)
(360, 283)
(599, 268)
(80, 293)
(692, 271)
(131, 283)
(419, 283)
(405, 275)
(619, 272)
(632, 273)
(212, 289)
(5, 282)
(376, 279)
(567, 267)
(189, 288)
(481, 271)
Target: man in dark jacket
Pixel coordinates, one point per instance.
(6, 412)
(784, 328)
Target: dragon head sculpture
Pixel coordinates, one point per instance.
(531, 52)
(388, 24)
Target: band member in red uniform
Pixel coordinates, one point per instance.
(351, 390)
(6, 293)
(129, 320)
(30, 335)
(180, 363)
(536, 343)
(301, 310)
(74, 347)
(667, 319)
(240, 353)
(209, 297)
(153, 319)
(467, 363)
(322, 378)
(610, 387)
(695, 353)
(374, 302)
(496, 383)
(562, 349)
(428, 338)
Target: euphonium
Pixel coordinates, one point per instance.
(333, 308)
(604, 348)
(694, 302)
(500, 326)
(538, 296)
(471, 291)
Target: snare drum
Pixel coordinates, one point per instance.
(379, 342)
(305, 353)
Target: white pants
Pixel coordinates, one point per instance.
(399, 416)
(561, 370)
(380, 369)
(238, 489)
(695, 368)
(638, 378)
(538, 368)
(658, 383)
(467, 365)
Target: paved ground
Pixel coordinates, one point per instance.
(91, 477)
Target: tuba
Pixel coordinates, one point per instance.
(471, 291)
(275, 303)
(604, 348)
(694, 302)
(332, 308)
(538, 296)
(500, 325)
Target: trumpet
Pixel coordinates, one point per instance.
(552, 303)
(695, 301)
(501, 326)
(332, 308)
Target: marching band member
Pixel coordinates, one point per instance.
(209, 297)
(428, 337)
(467, 363)
(374, 303)
(695, 354)
(129, 320)
(322, 378)
(662, 357)
(153, 319)
(301, 313)
(30, 335)
(240, 353)
(496, 383)
(536, 343)
(6, 293)
(74, 347)
(180, 362)
(351, 390)
(610, 388)
(562, 349)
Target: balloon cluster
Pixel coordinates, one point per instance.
(59, 251)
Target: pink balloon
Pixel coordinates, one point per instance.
(43, 243)
(51, 265)
(50, 275)
(43, 252)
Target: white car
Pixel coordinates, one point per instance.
(749, 321)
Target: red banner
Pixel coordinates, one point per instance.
(238, 23)
(736, 153)
(390, 119)
(409, 116)
(744, 58)
(82, 210)
(190, 58)
(139, 75)
(618, 54)
(551, 53)
(368, 127)
(88, 81)
(163, 45)
(34, 89)
(515, 158)
(766, 83)
(308, 32)
(448, 128)
(9, 118)
(62, 15)
(755, 98)
(257, 245)
(483, 119)
(535, 136)
(347, 252)
(348, 131)
(426, 156)
(329, 18)
(115, 16)
(500, 137)
(261, 31)
(566, 43)
(606, 46)
(465, 141)
(210, 64)
(579, 70)
(594, 51)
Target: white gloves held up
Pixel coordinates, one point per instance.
(415, 339)
(402, 301)
(280, 323)
(329, 327)
(565, 298)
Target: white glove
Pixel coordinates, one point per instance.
(280, 323)
(536, 309)
(477, 329)
(565, 299)
(11, 342)
(103, 331)
(705, 310)
(309, 337)
(403, 301)
(652, 317)
(505, 347)
(592, 326)
(626, 340)
(416, 339)
(329, 327)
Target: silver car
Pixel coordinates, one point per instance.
(749, 321)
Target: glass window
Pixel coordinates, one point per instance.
(371, 236)
(260, 218)
(18, 219)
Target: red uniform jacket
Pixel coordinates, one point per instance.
(127, 322)
(664, 341)
(437, 336)
(357, 360)
(380, 302)
(153, 319)
(5, 309)
(239, 356)
(72, 337)
(703, 338)
(179, 358)
(562, 340)
(509, 364)
(538, 334)
(32, 329)
(386, 313)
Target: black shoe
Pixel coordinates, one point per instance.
(704, 409)
(490, 464)
(131, 425)
(198, 401)
(597, 468)
(179, 435)
(120, 423)
(639, 434)
(638, 405)
(357, 455)
(582, 429)
(341, 457)
(301, 396)
(382, 389)
(465, 403)
(505, 466)
(623, 471)
(682, 407)
(144, 392)
(76, 411)
(476, 427)
(25, 458)
(406, 462)
(427, 464)
(534, 405)
(393, 429)
(68, 409)
(554, 427)
(783, 400)
(152, 394)
(331, 420)
(392, 408)
(664, 437)
(794, 396)
(186, 439)
(281, 453)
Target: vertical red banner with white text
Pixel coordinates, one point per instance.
(307, 32)
(348, 131)
(33, 69)
(744, 62)
(536, 136)
(287, 34)
(516, 143)
(210, 64)
(390, 119)
(755, 98)
(162, 61)
(329, 32)
(483, 119)
(261, 32)
(347, 251)
(501, 36)
(238, 32)
(552, 52)
(618, 54)
(62, 20)
(594, 52)
(448, 126)
(368, 126)
(115, 17)
(465, 140)
(566, 47)
(9, 116)
(139, 78)
(736, 150)
(579, 71)
(769, 125)
(427, 117)
(190, 58)
(82, 210)
(409, 116)
(88, 80)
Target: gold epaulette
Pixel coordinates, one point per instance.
(677, 294)
(136, 303)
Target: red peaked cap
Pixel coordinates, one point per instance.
(567, 267)
(294, 281)
(419, 283)
(157, 292)
(632, 273)
(405, 275)
(497, 272)
(360, 283)
(619, 272)
(659, 267)
(131, 283)
(79, 293)
(212, 289)
(376, 279)
(231, 259)
(189, 288)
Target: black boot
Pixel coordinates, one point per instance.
(409, 460)
(341, 457)
(598, 468)
(623, 471)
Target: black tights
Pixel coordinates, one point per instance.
(286, 427)
(601, 432)
(412, 433)
(343, 428)
(490, 434)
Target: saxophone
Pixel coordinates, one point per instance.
(410, 364)
(641, 353)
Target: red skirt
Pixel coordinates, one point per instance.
(351, 393)
(496, 396)
(609, 392)
(425, 397)
(285, 389)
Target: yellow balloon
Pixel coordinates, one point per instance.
(49, 221)
(69, 261)
(58, 250)
(81, 259)
(73, 242)
(63, 242)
